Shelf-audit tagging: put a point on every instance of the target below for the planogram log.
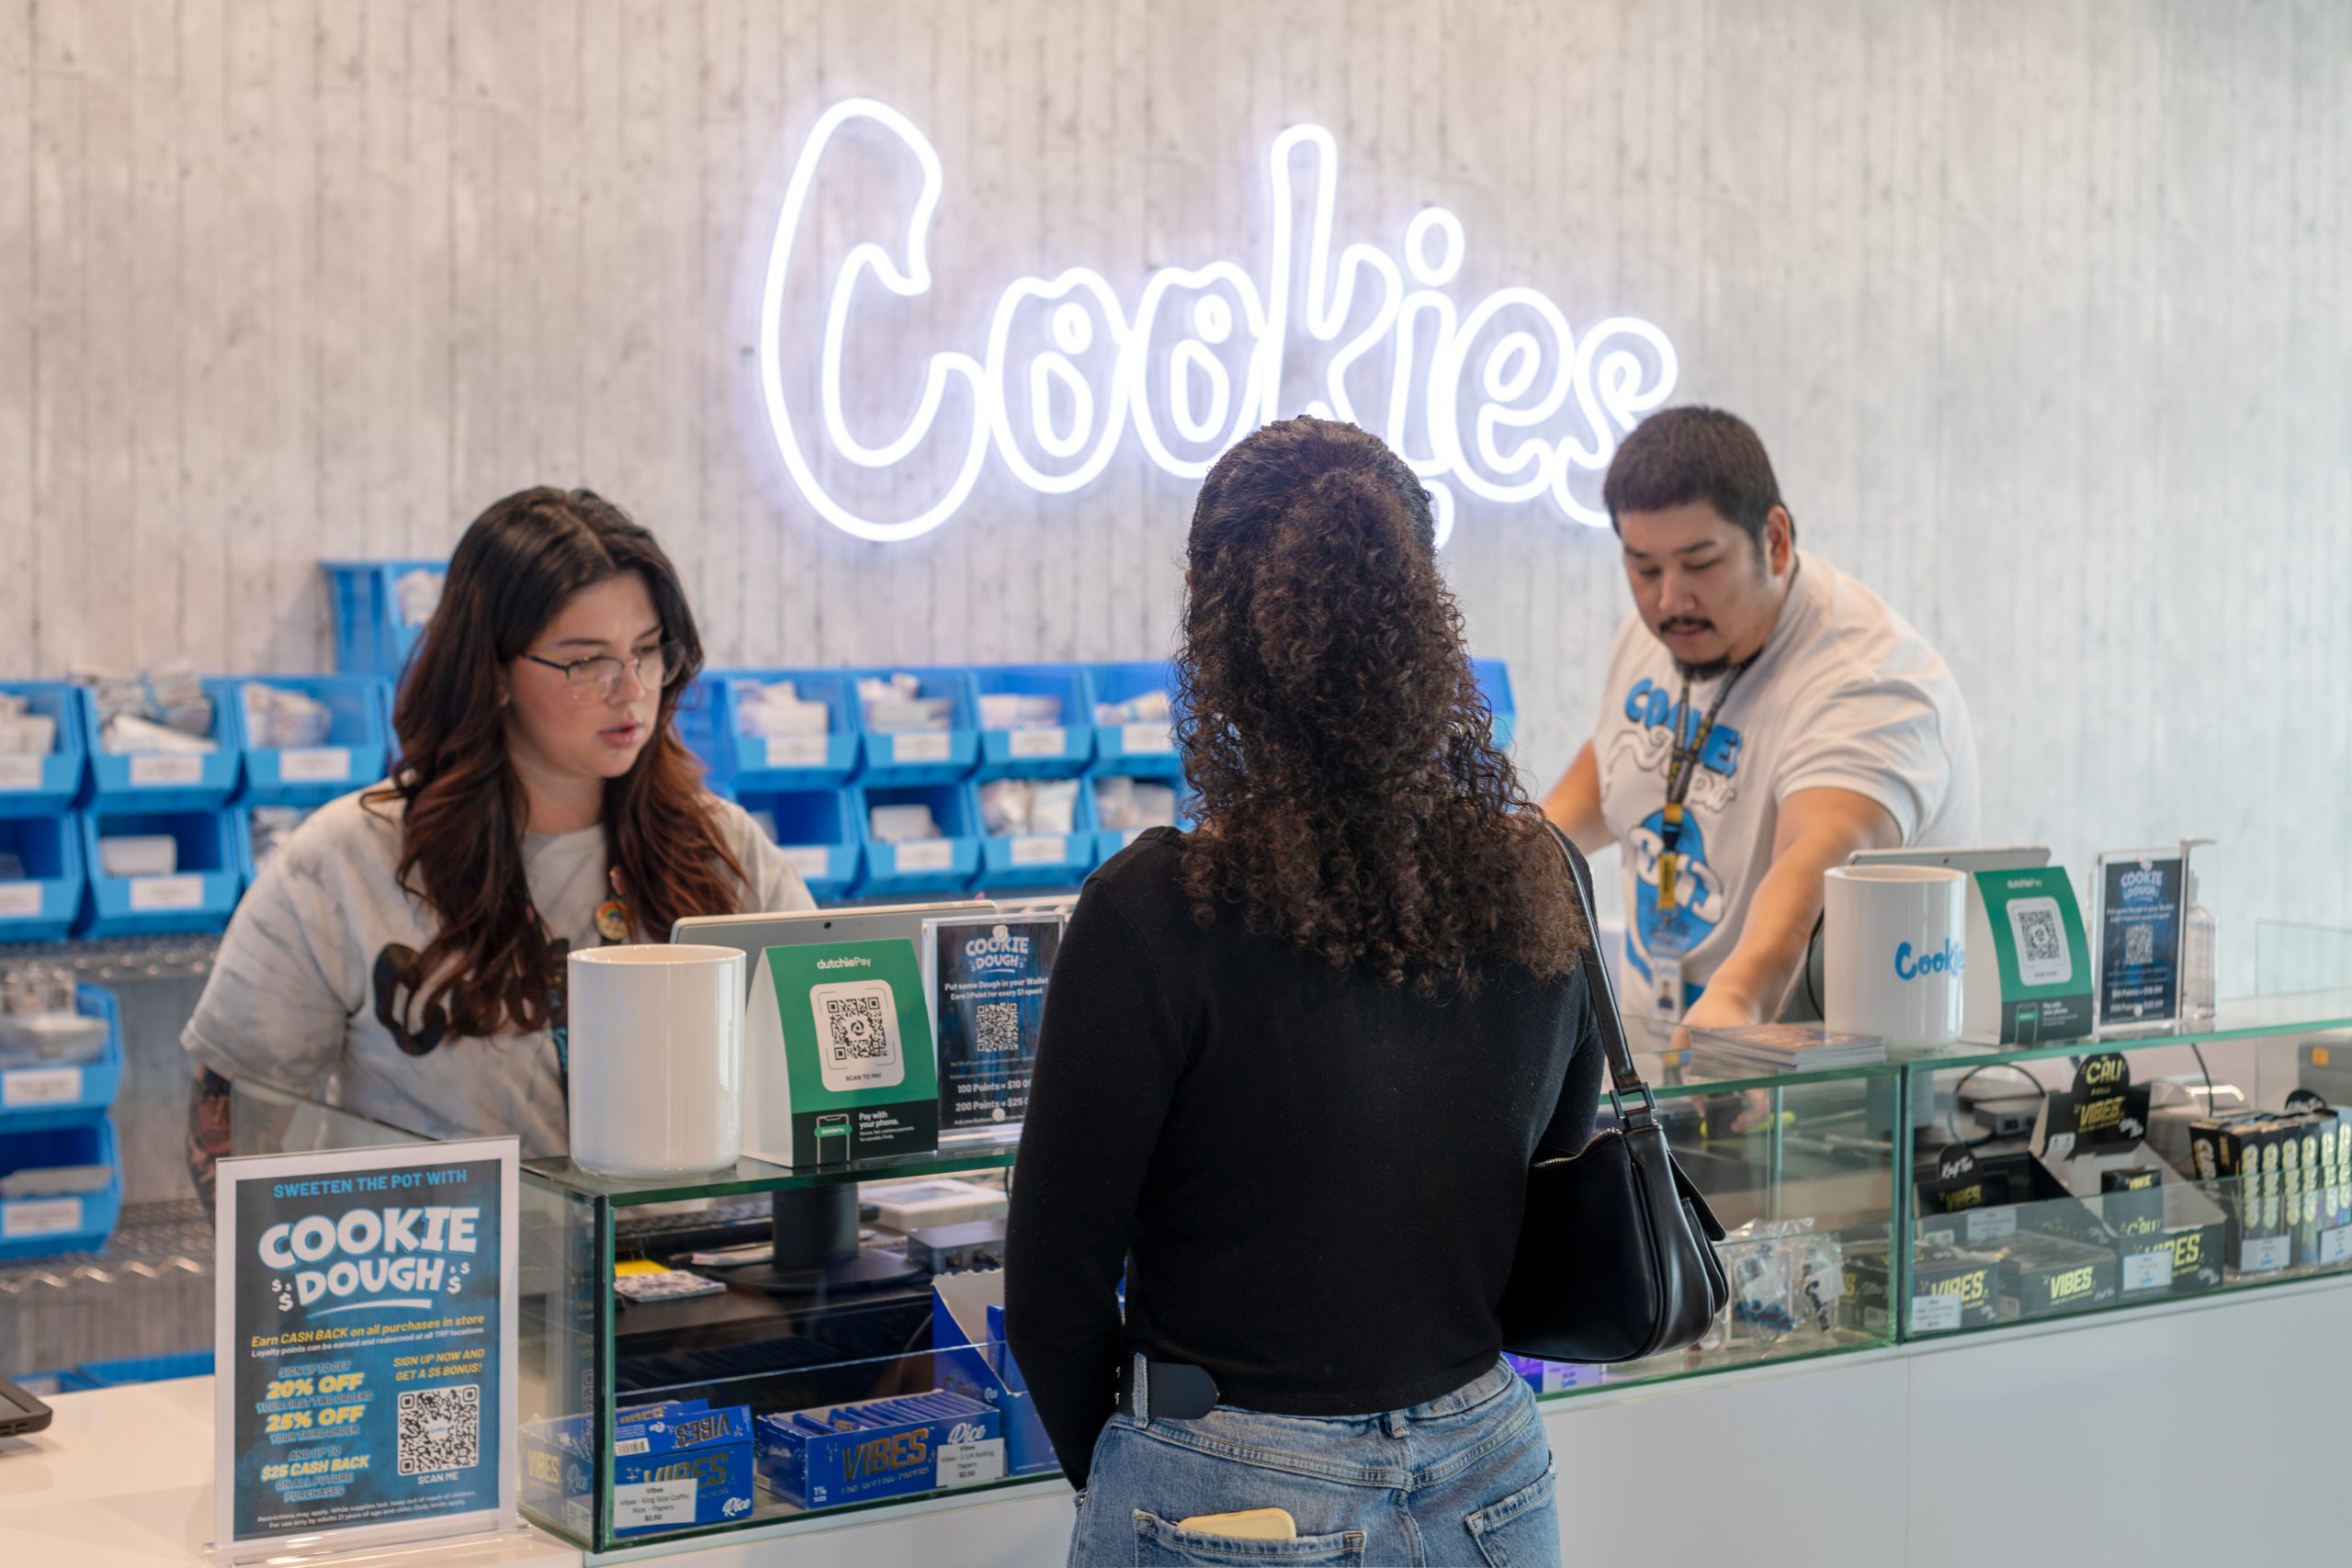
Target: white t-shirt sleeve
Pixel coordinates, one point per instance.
(1880, 739)
(286, 981)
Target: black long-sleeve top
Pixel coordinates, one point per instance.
(1313, 1182)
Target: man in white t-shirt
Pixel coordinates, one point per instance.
(1764, 717)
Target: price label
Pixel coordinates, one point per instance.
(2266, 1255)
(1146, 738)
(810, 859)
(1934, 1315)
(1991, 1225)
(796, 750)
(969, 1464)
(2148, 1270)
(40, 1216)
(20, 769)
(20, 900)
(1037, 743)
(925, 854)
(151, 770)
(650, 1504)
(921, 746)
(148, 893)
(1038, 851)
(2334, 1246)
(315, 764)
(39, 1086)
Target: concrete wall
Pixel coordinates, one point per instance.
(2041, 307)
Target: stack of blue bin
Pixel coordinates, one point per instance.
(51, 1116)
(183, 796)
(42, 895)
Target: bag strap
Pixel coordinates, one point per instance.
(1624, 1079)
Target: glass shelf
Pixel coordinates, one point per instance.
(2308, 1013)
(751, 1176)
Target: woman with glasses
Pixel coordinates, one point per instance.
(408, 942)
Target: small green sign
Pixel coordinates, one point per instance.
(2038, 987)
(838, 1062)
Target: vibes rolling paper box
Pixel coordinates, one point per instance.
(837, 1056)
(675, 1465)
(874, 1449)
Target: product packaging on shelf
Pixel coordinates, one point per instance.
(874, 1449)
(675, 1464)
(971, 1359)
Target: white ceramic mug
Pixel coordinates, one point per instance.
(1894, 952)
(657, 1059)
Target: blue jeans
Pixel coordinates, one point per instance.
(1466, 1479)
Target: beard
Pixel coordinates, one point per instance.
(1699, 674)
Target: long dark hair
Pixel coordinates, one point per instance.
(1351, 799)
(461, 832)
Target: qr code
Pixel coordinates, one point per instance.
(440, 1429)
(2037, 931)
(857, 1030)
(2139, 944)
(998, 1024)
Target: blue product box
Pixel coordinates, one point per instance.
(969, 1358)
(877, 1448)
(675, 1465)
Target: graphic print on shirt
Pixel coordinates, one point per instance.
(398, 985)
(1699, 904)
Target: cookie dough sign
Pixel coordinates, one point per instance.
(364, 1346)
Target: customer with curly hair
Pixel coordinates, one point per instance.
(1295, 1063)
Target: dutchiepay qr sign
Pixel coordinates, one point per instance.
(1497, 396)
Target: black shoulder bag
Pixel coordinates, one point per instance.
(1615, 1258)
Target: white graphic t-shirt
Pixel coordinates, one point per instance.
(1846, 695)
(315, 987)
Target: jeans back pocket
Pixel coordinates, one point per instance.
(1523, 1530)
(1160, 1544)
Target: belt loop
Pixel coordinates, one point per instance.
(1139, 1392)
(1394, 1421)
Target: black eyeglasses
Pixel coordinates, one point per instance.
(598, 679)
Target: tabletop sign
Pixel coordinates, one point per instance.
(364, 1339)
(2037, 988)
(837, 1059)
(2136, 930)
(986, 979)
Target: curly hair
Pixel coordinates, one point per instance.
(1350, 797)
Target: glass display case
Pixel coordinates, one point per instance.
(862, 1363)
(2101, 1175)
(768, 1344)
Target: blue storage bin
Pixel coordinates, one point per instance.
(947, 864)
(161, 780)
(146, 1368)
(42, 906)
(1494, 684)
(44, 786)
(373, 634)
(1042, 860)
(1136, 751)
(33, 1098)
(1059, 753)
(1110, 840)
(354, 753)
(755, 762)
(819, 832)
(198, 897)
(924, 757)
(697, 719)
(80, 1222)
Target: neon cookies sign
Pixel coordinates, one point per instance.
(1499, 397)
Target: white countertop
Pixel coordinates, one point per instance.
(122, 1478)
